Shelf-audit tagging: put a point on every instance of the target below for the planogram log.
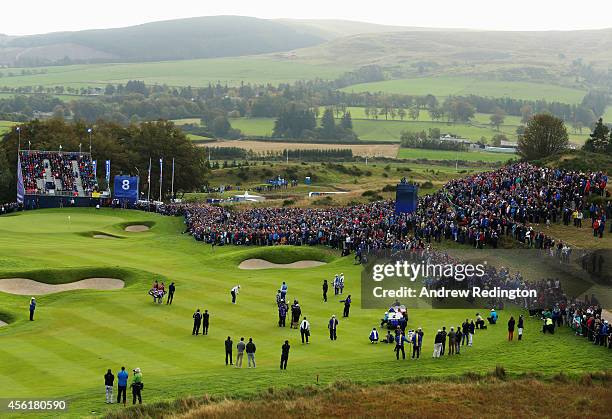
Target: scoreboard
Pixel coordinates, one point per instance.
(126, 188)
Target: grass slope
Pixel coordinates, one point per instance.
(459, 85)
(199, 72)
(78, 335)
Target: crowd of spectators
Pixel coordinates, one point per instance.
(33, 166)
(478, 210)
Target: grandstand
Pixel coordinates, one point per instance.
(58, 174)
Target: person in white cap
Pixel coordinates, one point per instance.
(333, 326)
(32, 308)
(137, 386)
(234, 293)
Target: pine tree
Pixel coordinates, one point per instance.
(328, 124)
(599, 140)
(347, 121)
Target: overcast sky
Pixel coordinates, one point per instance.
(20, 17)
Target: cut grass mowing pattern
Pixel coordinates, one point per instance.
(77, 336)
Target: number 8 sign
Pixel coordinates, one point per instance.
(126, 188)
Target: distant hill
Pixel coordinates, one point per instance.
(507, 55)
(201, 37)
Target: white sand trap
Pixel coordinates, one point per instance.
(137, 228)
(2, 323)
(264, 264)
(24, 286)
(103, 236)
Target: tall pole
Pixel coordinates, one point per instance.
(172, 193)
(19, 136)
(149, 180)
(89, 131)
(161, 177)
(287, 156)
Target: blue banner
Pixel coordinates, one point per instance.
(126, 188)
(107, 171)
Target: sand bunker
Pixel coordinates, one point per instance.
(137, 228)
(264, 264)
(103, 236)
(23, 286)
(2, 323)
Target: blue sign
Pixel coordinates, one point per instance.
(126, 187)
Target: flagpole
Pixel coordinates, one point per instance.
(161, 177)
(172, 194)
(149, 180)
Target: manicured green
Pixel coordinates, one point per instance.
(77, 335)
(451, 85)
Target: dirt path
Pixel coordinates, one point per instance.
(24, 286)
(264, 264)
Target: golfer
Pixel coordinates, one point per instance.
(234, 293)
(284, 355)
(305, 329)
(171, 289)
(32, 308)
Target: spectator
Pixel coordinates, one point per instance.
(205, 322)
(240, 347)
(511, 323)
(229, 346)
(109, 382)
(137, 386)
(122, 380)
(305, 329)
(171, 289)
(250, 350)
(197, 321)
(520, 327)
(333, 326)
(284, 355)
(32, 308)
(374, 336)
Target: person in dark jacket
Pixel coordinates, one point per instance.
(32, 308)
(400, 338)
(229, 346)
(520, 327)
(443, 340)
(205, 322)
(197, 321)
(458, 337)
(333, 326)
(171, 289)
(296, 313)
(465, 328)
(325, 288)
(250, 351)
(282, 313)
(109, 381)
(471, 330)
(284, 355)
(511, 323)
(417, 342)
(452, 336)
(347, 305)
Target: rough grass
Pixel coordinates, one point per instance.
(471, 395)
(416, 153)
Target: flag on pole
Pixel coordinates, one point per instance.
(108, 162)
(172, 178)
(20, 186)
(161, 177)
(149, 181)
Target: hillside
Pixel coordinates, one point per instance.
(200, 37)
(538, 56)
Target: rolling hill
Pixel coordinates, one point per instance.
(192, 38)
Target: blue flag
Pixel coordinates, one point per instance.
(20, 187)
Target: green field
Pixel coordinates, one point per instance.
(233, 71)
(455, 86)
(489, 157)
(77, 335)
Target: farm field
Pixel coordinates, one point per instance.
(457, 85)
(195, 73)
(391, 130)
(417, 153)
(371, 150)
(5, 126)
(85, 332)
